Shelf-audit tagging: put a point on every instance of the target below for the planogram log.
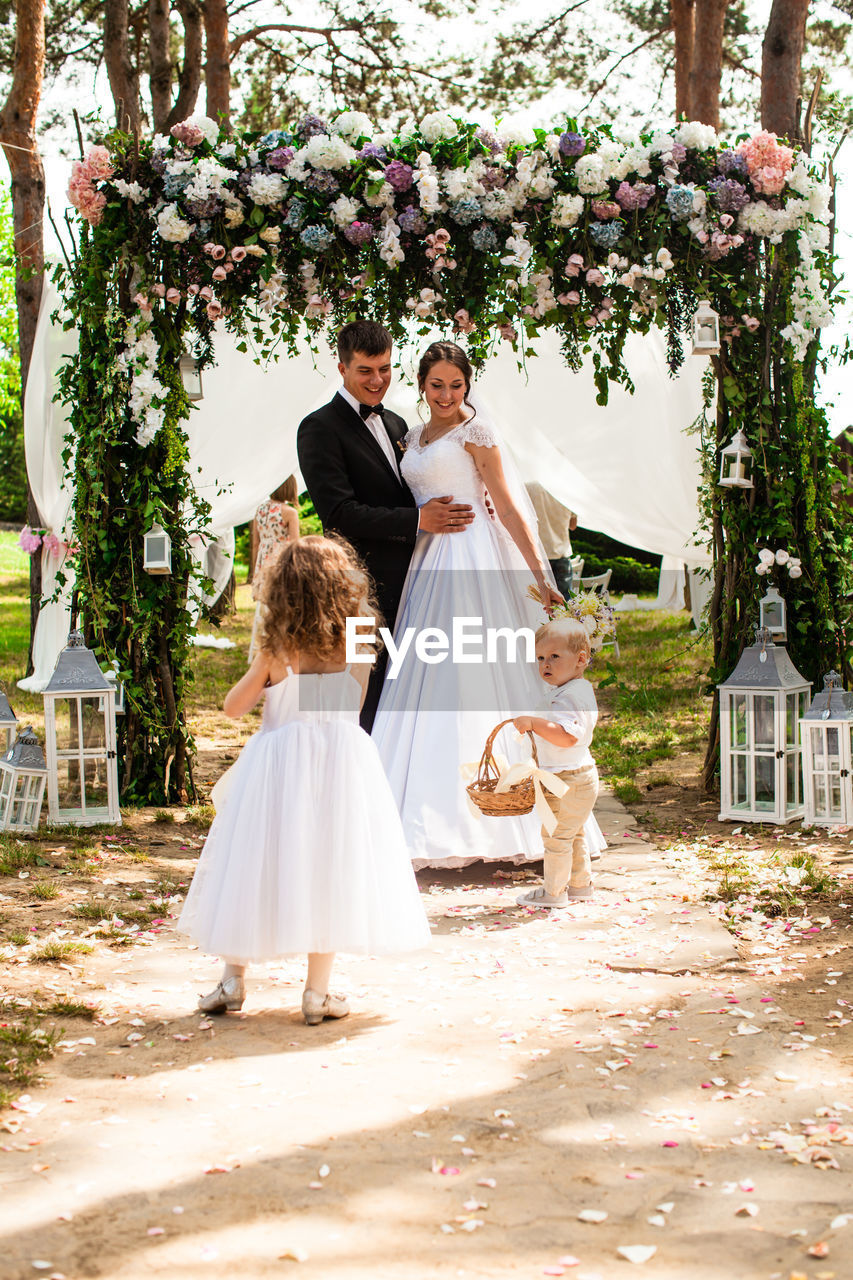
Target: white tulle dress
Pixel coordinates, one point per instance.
(433, 719)
(307, 852)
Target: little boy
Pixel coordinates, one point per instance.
(563, 733)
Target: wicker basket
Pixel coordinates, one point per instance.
(513, 802)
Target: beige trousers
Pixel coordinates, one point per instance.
(566, 853)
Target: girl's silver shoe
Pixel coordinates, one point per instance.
(316, 1007)
(228, 995)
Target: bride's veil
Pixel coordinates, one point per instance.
(515, 484)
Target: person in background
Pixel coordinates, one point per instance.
(556, 523)
(277, 523)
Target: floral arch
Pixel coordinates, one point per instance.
(290, 234)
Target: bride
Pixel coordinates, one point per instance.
(434, 715)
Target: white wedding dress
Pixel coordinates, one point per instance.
(435, 718)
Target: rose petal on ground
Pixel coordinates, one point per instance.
(637, 1252)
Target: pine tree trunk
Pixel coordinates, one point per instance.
(781, 56)
(682, 15)
(217, 69)
(122, 74)
(18, 138)
(707, 63)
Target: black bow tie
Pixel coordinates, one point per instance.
(367, 409)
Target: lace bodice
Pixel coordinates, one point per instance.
(333, 695)
(445, 466)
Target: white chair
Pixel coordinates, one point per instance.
(600, 584)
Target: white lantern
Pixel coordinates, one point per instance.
(706, 330)
(761, 705)
(80, 739)
(774, 615)
(8, 720)
(191, 376)
(825, 732)
(22, 777)
(158, 551)
(736, 464)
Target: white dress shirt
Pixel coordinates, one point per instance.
(572, 706)
(376, 427)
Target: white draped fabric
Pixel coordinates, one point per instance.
(629, 469)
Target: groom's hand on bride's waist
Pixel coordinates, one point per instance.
(443, 515)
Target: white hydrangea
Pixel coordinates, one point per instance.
(697, 136)
(131, 190)
(267, 188)
(566, 210)
(438, 125)
(172, 226)
(352, 125)
(344, 211)
(328, 153)
(590, 173)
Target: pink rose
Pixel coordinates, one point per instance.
(238, 253)
(219, 273)
(214, 309)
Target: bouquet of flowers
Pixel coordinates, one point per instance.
(588, 608)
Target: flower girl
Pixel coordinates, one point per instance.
(307, 853)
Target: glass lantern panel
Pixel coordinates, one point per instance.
(68, 791)
(740, 782)
(765, 783)
(764, 719)
(738, 731)
(96, 783)
(67, 724)
(94, 724)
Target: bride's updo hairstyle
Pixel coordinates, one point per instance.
(450, 354)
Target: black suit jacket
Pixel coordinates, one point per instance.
(357, 493)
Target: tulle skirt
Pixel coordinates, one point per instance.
(307, 854)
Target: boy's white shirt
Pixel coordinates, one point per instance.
(572, 706)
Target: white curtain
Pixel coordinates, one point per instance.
(629, 470)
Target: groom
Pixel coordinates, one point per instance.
(349, 459)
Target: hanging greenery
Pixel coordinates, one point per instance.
(288, 235)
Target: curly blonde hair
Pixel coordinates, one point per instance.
(310, 589)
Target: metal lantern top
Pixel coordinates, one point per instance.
(191, 376)
(833, 702)
(764, 665)
(8, 719)
(26, 755)
(706, 330)
(77, 670)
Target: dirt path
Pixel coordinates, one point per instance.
(617, 1059)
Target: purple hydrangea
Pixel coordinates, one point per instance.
(729, 196)
(359, 233)
(730, 162)
(372, 151)
(411, 220)
(309, 126)
(637, 196)
(316, 238)
(465, 210)
(280, 158)
(679, 201)
(484, 238)
(572, 144)
(323, 181)
(399, 175)
(489, 141)
(605, 234)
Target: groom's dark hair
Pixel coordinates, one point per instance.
(366, 336)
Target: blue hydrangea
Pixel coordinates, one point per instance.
(295, 215)
(679, 201)
(466, 210)
(317, 239)
(176, 183)
(605, 234)
(276, 138)
(484, 238)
